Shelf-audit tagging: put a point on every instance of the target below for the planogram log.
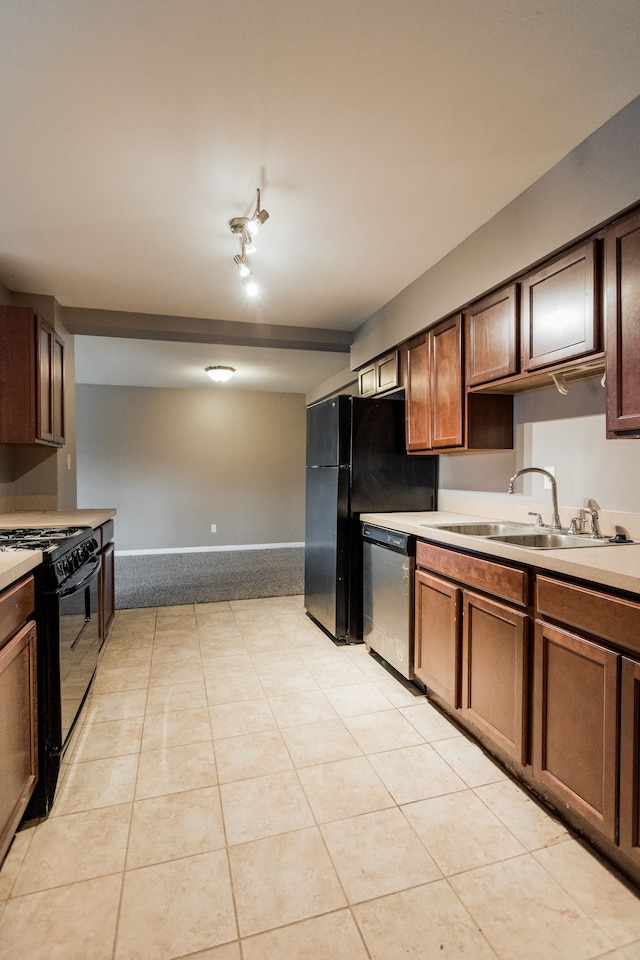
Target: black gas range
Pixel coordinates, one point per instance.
(71, 544)
(68, 640)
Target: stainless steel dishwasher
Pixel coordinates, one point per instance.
(388, 564)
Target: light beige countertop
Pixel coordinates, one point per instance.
(15, 564)
(57, 518)
(615, 566)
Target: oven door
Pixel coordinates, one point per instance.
(79, 641)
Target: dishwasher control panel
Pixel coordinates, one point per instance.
(402, 542)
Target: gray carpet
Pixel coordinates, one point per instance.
(167, 579)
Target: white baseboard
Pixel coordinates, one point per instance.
(226, 548)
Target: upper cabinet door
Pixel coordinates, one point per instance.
(622, 319)
(447, 387)
(417, 398)
(560, 309)
(49, 384)
(491, 337)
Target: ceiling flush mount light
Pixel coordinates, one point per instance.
(220, 374)
(246, 228)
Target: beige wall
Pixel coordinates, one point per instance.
(172, 462)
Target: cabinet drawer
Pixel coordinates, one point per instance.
(16, 605)
(610, 618)
(499, 580)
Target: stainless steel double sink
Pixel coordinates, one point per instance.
(522, 535)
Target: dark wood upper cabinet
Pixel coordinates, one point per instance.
(447, 384)
(622, 327)
(491, 337)
(415, 363)
(561, 309)
(31, 379)
(439, 414)
(381, 376)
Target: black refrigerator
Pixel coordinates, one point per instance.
(356, 463)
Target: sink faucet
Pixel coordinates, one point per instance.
(555, 520)
(593, 514)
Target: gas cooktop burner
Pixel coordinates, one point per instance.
(48, 540)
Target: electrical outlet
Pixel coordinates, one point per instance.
(214, 528)
(547, 482)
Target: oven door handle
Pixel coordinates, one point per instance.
(70, 587)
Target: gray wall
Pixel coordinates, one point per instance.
(564, 432)
(172, 462)
(591, 184)
(594, 182)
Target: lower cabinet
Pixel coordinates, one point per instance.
(106, 582)
(549, 684)
(495, 672)
(437, 636)
(629, 838)
(575, 723)
(18, 707)
(471, 650)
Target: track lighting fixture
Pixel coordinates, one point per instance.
(243, 266)
(246, 228)
(220, 374)
(252, 224)
(247, 242)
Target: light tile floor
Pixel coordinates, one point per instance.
(242, 789)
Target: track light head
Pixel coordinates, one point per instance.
(243, 266)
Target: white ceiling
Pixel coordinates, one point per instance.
(381, 133)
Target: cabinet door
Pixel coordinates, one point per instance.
(387, 372)
(437, 636)
(44, 381)
(622, 277)
(106, 590)
(379, 377)
(560, 309)
(494, 672)
(417, 400)
(57, 388)
(367, 381)
(49, 384)
(630, 760)
(446, 372)
(18, 730)
(491, 337)
(575, 712)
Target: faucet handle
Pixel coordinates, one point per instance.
(594, 516)
(576, 525)
(538, 517)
